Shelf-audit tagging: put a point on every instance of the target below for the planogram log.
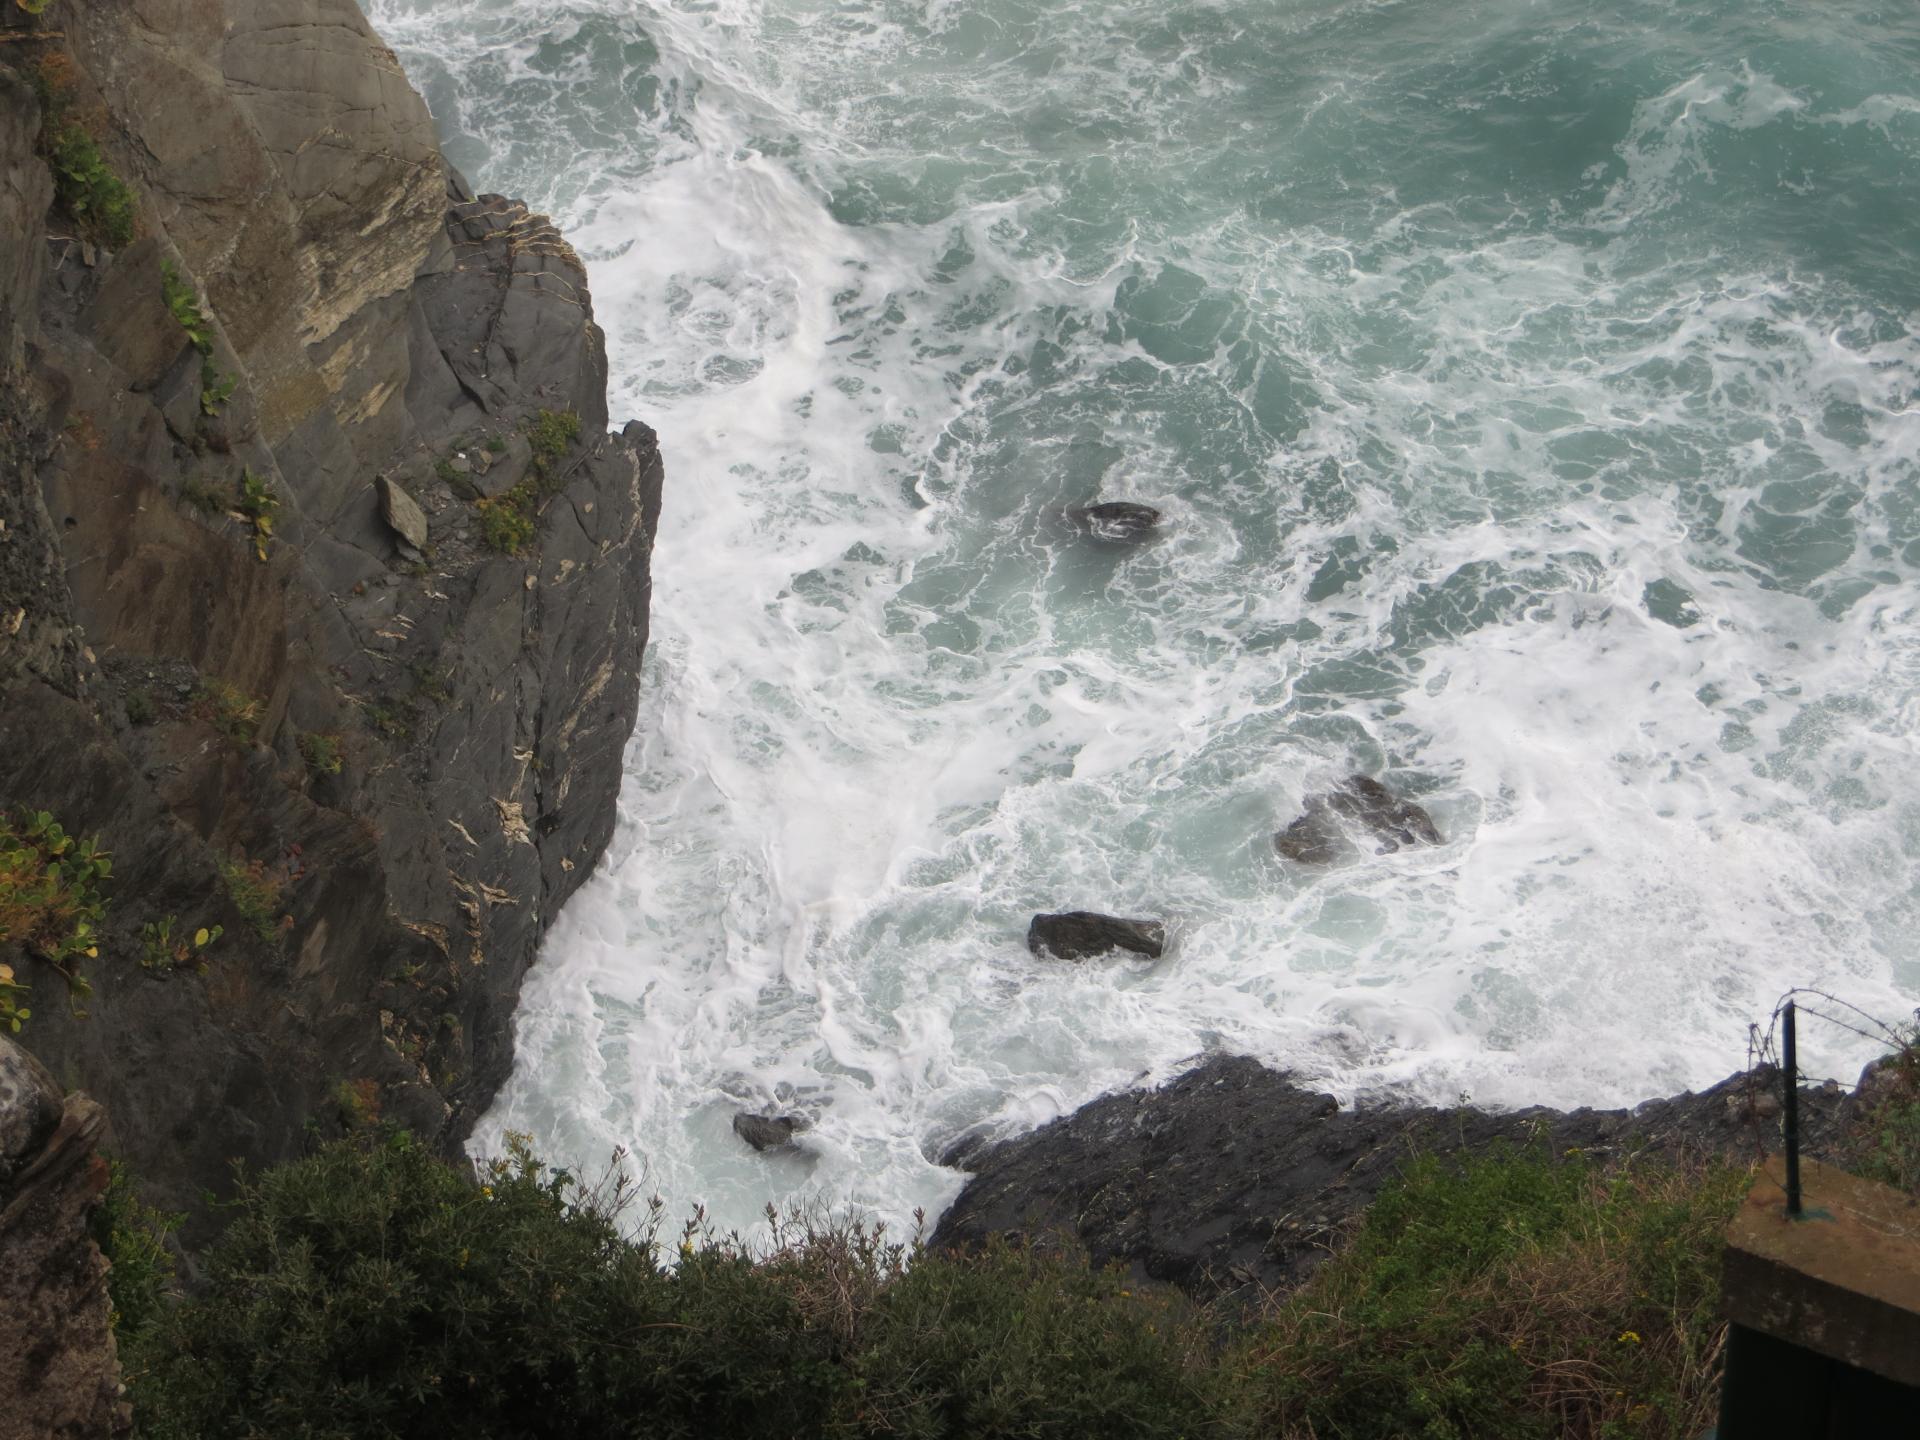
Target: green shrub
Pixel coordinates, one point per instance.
(1020, 1343)
(371, 1290)
(321, 752)
(133, 1237)
(551, 433)
(101, 206)
(1516, 1295)
(506, 523)
(139, 707)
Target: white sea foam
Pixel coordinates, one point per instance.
(1597, 534)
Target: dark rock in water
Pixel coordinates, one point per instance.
(1316, 838)
(768, 1132)
(1397, 822)
(1076, 934)
(1234, 1174)
(1121, 520)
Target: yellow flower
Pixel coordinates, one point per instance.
(487, 1190)
(1629, 1337)
(93, 952)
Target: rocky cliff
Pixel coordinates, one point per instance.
(323, 587)
(58, 1370)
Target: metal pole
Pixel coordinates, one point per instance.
(1790, 1111)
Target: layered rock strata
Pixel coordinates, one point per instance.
(378, 761)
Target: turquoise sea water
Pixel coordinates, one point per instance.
(1533, 393)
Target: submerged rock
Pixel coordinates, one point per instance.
(768, 1132)
(1125, 521)
(1077, 934)
(1317, 837)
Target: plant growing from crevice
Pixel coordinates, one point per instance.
(13, 1015)
(215, 388)
(256, 893)
(183, 303)
(51, 902)
(321, 752)
(139, 707)
(163, 951)
(229, 709)
(84, 184)
(259, 504)
(551, 433)
(393, 719)
(506, 521)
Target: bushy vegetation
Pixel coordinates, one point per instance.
(1517, 1295)
(1886, 1143)
(255, 890)
(373, 1291)
(133, 1237)
(52, 904)
(370, 1290)
(506, 521)
(322, 753)
(183, 303)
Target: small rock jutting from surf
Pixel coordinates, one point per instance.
(1078, 934)
(768, 1132)
(1123, 522)
(1318, 838)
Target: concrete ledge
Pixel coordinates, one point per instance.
(1842, 1281)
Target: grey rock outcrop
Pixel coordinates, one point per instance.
(1079, 934)
(59, 1374)
(1233, 1175)
(768, 1132)
(420, 760)
(398, 509)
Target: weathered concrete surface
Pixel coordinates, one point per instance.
(59, 1375)
(1842, 1281)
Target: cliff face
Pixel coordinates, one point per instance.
(379, 764)
(58, 1371)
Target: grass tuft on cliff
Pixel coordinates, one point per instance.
(85, 186)
(1518, 1294)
